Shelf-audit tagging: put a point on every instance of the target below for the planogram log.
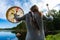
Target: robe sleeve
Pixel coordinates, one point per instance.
(49, 18)
(19, 18)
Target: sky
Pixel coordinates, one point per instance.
(25, 5)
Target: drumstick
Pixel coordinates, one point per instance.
(49, 13)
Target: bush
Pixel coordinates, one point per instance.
(53, 37)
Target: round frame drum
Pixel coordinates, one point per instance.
(14, 13)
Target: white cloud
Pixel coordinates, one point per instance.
(57, 8)
(17, 3)
(42, 4)
(26, 5)
(52, 3)
(39, 3)
(4, 7)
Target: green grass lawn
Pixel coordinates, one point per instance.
(53, 37)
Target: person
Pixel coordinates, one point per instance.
(34, 21)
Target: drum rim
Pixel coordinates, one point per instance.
(10, 9)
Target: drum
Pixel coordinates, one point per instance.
(13, 13)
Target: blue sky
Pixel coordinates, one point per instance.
(25, 5)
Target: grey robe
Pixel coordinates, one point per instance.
(35, 30)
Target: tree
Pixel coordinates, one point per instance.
(55, 24)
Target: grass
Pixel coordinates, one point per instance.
(53, 37)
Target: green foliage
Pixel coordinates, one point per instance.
(55, 24)
(53, 37)
(20, 27)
